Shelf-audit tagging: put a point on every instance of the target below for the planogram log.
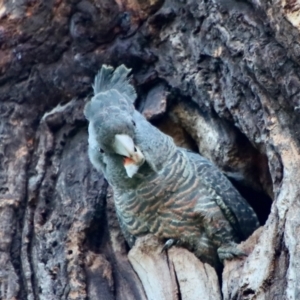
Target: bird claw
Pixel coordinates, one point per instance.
(168, 244)
(229, 252)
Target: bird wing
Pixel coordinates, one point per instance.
(236, 209)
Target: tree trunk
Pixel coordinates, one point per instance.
(221, 77)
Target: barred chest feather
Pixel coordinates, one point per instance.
(168, 208)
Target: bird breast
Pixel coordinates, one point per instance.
(164, 202)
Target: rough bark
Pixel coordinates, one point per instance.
(221, 77)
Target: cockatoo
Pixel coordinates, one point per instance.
(159, 188)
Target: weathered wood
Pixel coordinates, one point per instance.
(233, 270)
(177, 274)
(221, 76)
(152, 267)
(195, 279)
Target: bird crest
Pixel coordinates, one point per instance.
(109, 79)
(111, 90)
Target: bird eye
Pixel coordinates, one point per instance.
(135, 149)
(133, 123)
(101, 150)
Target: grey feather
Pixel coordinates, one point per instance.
(107, 79)
(102, 81)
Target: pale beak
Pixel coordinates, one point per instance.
(133, 157)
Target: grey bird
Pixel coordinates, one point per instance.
(159, 188)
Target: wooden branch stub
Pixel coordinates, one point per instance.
(176, 275)
(196, 280)
(152, 267)
(155, 103)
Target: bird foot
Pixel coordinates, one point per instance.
(229, 252)
(168, 244)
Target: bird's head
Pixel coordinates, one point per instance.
(110, 114)
(112, 130)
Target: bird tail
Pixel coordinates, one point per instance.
(110, 79)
